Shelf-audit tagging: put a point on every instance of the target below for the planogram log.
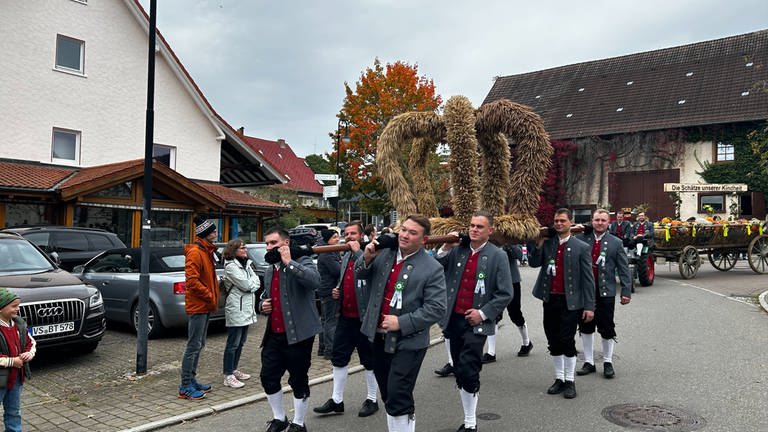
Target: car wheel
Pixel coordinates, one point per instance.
(155, 326)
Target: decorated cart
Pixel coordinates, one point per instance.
(724, 243)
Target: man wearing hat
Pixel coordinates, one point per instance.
(201, 299)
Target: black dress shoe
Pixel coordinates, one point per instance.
(276, 425)
(587, 369)
(487, 358)
(445, 370)
(369, 408)
(570, 390)
(525, 349)
(465, 429)
(608, 371)
(557, 387)
(296, 428)
(330, 407)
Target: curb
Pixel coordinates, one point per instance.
(213, 409)
(763, 298)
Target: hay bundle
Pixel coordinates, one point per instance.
(417, 166)
(459, 120)
(398, 131)
(533, 152)
(494, 173)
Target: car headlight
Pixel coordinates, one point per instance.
(96, 300)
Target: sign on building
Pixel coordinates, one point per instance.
(705, 187)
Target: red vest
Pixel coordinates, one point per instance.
(595, 256)
(11, 336)
(276, 323)
(641, 228)
(389, 291)
(349, 296)
(558, 281)
(466, 294)
(619, 230)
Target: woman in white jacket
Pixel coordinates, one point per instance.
(241, 283)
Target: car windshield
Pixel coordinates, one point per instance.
(256, 254)
(20, 257)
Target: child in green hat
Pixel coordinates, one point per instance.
(17, 349)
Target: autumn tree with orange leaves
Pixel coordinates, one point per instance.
(381, 93)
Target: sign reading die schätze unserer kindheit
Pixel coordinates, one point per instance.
(705, 187)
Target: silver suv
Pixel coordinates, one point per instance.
(58, 307)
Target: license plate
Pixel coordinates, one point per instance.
(53, 328)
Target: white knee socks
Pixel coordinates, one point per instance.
(586, 342)
(401, 423)
(300, 407)
(469, 402)
(276, 403)
(370, 381)
(339, 381)
(608, 345)
(448, 350)
(559, 362)
(492, 343)
(570, 367)
(524, 334)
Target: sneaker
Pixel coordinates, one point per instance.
(232, 381)
(242, 376)
(488, 358)
(277, 425)
(190, 392)
(200, 387)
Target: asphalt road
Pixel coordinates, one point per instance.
(694, 350)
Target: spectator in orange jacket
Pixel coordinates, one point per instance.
(202, 298)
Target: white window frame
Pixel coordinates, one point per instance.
(172, 161)
(62, 68)
(728, 152)
(61, 161)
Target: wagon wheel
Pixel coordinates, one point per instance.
(723, 260)
(689, 262)
(757, 254)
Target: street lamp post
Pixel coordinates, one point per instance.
(339, 140)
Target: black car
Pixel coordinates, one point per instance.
(58, 307)
(70, 246)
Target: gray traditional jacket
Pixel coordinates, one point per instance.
(493, 265)
(626, 229)
(615, 264)
(361, 294)
(514, 253)
(298, 282)
(648, 235)
(423, 298)
(579, 282)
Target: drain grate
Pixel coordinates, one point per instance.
(653, 417)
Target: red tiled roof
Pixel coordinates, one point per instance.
(280, 155)
(236, 198)
(718, 81)
(25, 175)
(90, 174)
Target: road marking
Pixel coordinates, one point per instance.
(739, 300)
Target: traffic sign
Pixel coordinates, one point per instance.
(326, 177)
(330, 191)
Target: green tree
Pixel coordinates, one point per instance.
(321, 164)
(381, 93)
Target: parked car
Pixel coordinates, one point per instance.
(116, 274)
(70, 246)
(59, 308)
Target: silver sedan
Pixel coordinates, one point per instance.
(116, 274)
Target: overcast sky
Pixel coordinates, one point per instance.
(278, 67)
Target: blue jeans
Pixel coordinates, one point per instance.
(330, 310)
(197, 329)
(12, 406)
(236, 337)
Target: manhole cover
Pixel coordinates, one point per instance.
(653, 417)
(488, 416)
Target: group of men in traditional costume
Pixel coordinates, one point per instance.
(389, 297)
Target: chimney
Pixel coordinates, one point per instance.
(281, 142)
(241, 130)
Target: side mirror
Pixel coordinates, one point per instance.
(55, 257)
(78, 269)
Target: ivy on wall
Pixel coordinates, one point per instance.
(745, 167)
